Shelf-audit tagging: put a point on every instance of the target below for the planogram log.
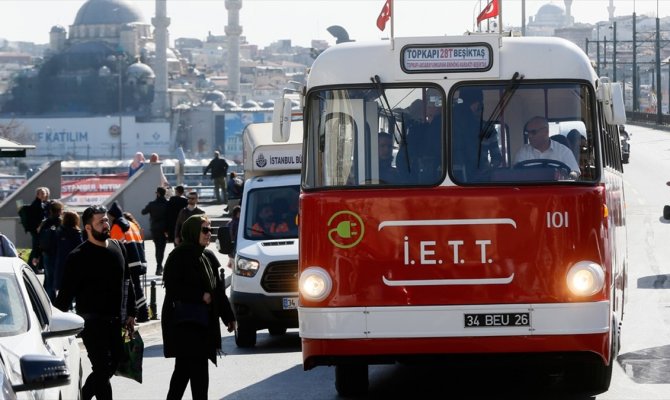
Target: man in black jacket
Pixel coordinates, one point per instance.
(175, 205)
(97, 278)
(219, 168)
(36, 214)
(158, 217)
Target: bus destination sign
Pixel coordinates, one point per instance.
(443, 58)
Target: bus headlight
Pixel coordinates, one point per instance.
(585, 278)
(315, 284)
(246, 267)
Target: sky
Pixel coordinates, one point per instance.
(266, 21)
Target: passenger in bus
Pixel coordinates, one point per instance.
(475, 151)
(388, 174)
(419, 158)
(540, 146)
(575, 143)
(266, 223)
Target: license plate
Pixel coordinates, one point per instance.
(496, 320)
(290, 303)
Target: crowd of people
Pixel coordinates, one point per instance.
(65, 244)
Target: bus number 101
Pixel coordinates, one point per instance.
(557, 219)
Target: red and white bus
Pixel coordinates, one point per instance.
(497, 225)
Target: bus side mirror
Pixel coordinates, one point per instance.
(281, 120)
(611, 95)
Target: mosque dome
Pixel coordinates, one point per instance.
(98, 12)
(139, 72)
(215, 96)
(550, 10)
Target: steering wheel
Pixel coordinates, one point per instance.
(545, 163)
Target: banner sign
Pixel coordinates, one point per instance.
(446, 58)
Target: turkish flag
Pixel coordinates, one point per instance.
(385, 15)
(490, 11)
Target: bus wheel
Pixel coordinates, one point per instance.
(277, 331)
(351, 379)
(597, 377)
(245, 336)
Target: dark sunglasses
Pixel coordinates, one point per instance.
(207, 229)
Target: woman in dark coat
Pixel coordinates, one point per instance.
(192, 281)
(68, 237)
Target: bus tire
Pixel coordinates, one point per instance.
(596, 378)
(277, 331)
(245, 336)
(666, 212)
(351, 379)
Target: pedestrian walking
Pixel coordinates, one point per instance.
(190, 209)
(128, 232)
(48, 244)
(219, 167)
(68, 238)
(35, 215)
(97, 278)
(192, 283)
(157, 210)
(175, 205)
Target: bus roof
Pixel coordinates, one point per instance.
(532, 57)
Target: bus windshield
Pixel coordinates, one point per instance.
(530, 132)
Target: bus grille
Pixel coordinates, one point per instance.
(281, 277)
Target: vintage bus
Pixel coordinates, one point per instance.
(495, 227)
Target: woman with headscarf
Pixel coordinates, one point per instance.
(191, 278)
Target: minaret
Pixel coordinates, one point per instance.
(233, 31)
(610, 10)
(160, 105)
(568, 12)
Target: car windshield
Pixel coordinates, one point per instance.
(13, 313)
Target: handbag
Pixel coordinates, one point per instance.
(130, 364)
(191, 313)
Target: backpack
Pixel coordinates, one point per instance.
(24, 217)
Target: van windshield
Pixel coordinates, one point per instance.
(272, 213)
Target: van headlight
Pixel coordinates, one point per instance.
(246, 267)
(315, 284)
(585, 278)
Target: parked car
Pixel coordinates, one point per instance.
(31, 325)
(624, 138)
(37, 372)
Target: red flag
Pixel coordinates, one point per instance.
(385, 15)
(490, 11)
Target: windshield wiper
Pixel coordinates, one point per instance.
(387, 108)
(485, 133)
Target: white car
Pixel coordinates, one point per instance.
(31, 325)
(38, 372)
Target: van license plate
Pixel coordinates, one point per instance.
(496, 320)
(290, 303)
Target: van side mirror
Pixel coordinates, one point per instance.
(281, 120)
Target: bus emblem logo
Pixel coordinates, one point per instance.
(346, 229)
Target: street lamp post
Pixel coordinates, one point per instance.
(614, 55)
(120, 112)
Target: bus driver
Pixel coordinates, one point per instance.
(540, 146)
